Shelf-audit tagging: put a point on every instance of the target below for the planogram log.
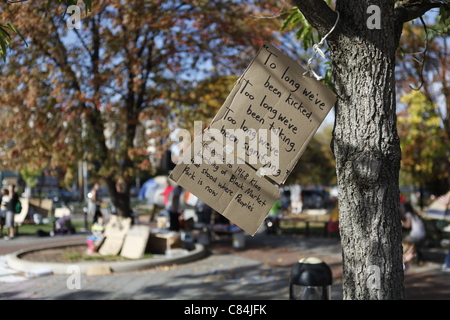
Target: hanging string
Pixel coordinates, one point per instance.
(317, 50)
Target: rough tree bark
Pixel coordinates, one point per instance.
(365, 141)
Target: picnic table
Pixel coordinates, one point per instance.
(292, 220)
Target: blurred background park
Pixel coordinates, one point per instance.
(99, 103)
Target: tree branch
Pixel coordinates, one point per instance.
(408, 10)
(318, 13)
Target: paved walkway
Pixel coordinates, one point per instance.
(260, 271)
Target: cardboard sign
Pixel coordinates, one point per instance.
(135, 242)
(273, 95)
(261, 131)
(111, 246)
(115, 231)
(235, 191)
(160, 243)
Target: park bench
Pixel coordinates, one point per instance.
(292, 222)
(21, 218)
(434, 235)
(41, 206)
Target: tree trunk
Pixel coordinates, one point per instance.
(120, 197)
(367, 152)
(366, 147)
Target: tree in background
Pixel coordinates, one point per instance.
(317, 165)
(421, 136)
(423, 81)
(86, 94)
(30, 175)
(206, 99)
(8, 30)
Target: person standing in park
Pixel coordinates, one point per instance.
(10, 212)
(173, 208)
(413, 222)
(94, 204)
(296, 199)
(3, 209)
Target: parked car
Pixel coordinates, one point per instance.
(68, 196)
(104, 193)
(285, 197)
(334, 193)
(62, 196)
(316, 199)
(311, 199)
(134, 192)
(328, 201)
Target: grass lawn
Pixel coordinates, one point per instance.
(315, 229)
(31, 229)
(297, 225)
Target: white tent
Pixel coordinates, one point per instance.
(439, 208)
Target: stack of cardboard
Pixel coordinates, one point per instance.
(162, 242)
(115, 233)
(132, 242)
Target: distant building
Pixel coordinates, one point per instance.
(9, 177)
(46, 184)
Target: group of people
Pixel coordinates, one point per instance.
(94, 205)
(411, 221)
(176, 202)
(8, 208)
(296, 199)
(416, 236)
(180, 206)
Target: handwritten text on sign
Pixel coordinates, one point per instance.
(274, 95)
(235, 191)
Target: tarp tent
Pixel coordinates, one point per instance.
(439, 208)
(152, 190)
(147, 190)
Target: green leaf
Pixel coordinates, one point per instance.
(5, 38)
(3, 32)
(49, 3)
(444, 13)
(2, 49)
(4, 41)
(88, 4)
(305, 33)
(293, 18)
(11, 27)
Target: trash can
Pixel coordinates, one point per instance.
(204, 237)
(311, 279)
(239, 240)
(187, 239)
